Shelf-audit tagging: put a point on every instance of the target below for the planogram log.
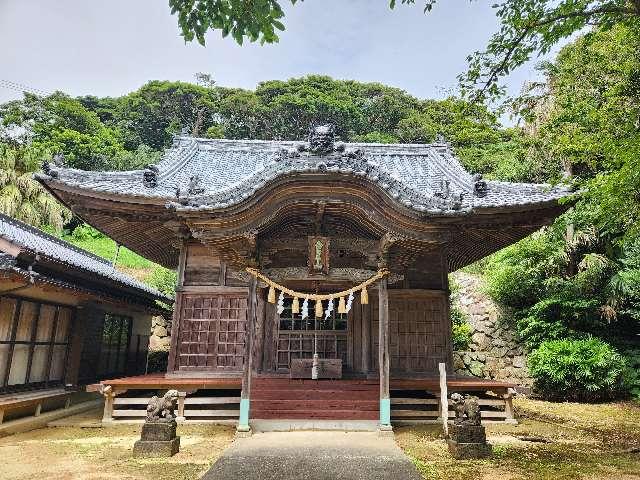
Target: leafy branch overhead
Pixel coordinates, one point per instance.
(528, 28)
(254, 19)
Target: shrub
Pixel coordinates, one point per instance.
(163, 280)
(86, 232)
(632, 372)
(460, 330)
(157, 362)
(577, 370)
(532, 331)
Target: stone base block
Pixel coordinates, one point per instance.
(158, 431)
(464, 451)
(467, 433)
(243, 432)
(156, 448)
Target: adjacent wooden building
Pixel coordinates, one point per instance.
(67, 318)
(316, 217)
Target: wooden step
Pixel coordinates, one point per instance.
(313, 386)
(277, 394)
(320, 415)
(307, 405)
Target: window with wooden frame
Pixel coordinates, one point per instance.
(114, 350)
(335, 322)
(34, 343)
(299, 338)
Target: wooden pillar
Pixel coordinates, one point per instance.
(172, 363)
(76, 345)
(365, 320)
(245, 395)
(383, 355)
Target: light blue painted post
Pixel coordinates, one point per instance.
(385, 411)
(243, 423)
(245, 395)
(383, 355)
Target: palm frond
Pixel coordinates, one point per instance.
(28, 213)
(596, 262)
(27, 185)
(10, 198)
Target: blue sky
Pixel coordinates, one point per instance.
(111, 48)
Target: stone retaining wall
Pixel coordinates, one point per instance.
(160, 338)
(494, 352)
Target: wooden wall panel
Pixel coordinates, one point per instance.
(419, 331)
(202, 267)
(212, 332)
(427, 272)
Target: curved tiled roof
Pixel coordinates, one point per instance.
(208, 174)
(31, 239)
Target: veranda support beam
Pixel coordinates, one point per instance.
(383, 355)
(243, 422)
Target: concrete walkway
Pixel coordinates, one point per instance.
(314, 455)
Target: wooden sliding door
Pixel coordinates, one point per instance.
(34, 343)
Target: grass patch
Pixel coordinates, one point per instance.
(577, 442)
(106, 248)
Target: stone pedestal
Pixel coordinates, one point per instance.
(468, 441)
(158, 439)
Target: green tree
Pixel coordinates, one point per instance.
(159, 109)
(21, 196)
(62, 125)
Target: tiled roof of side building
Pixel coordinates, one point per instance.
(212, 174)
(39, 242)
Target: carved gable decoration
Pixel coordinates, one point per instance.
(322, 139)
(318, 255)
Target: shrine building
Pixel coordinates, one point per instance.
(312, 275)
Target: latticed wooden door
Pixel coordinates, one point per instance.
(212, 332)
(419, 331)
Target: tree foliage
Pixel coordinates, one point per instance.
(530, 28)
(581, 276)
(21, 196)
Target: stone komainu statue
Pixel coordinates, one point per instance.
(466, 408)
(161, 409)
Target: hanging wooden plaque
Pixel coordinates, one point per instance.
(318, 255)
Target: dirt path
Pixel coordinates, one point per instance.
(69, 453)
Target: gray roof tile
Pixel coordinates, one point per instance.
(425, 177)
(39, 242)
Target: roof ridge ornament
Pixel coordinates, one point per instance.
(150, 176)
(322, 139)
(321, 142)
(480, 186)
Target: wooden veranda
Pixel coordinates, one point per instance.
(217, 400)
